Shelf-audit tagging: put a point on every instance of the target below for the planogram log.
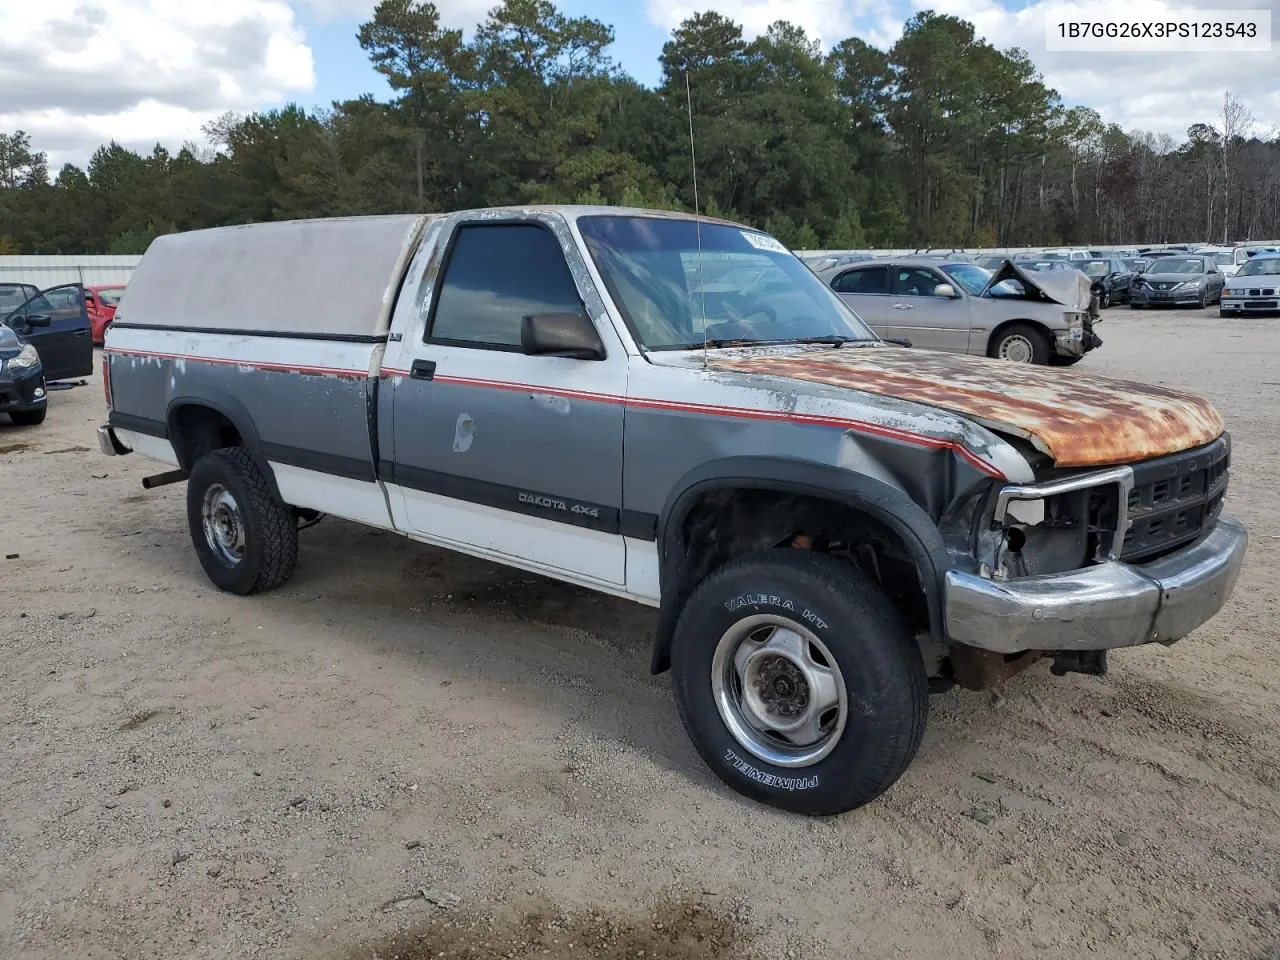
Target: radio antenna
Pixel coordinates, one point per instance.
(697, 214)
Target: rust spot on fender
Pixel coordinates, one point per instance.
(1078, 419)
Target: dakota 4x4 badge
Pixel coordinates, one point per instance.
(561, 506)
(769, 779)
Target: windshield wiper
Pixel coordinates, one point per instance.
(835, 340)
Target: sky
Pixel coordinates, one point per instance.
(77, 73)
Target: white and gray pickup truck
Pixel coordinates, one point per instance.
(831, 527)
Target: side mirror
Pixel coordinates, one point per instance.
(37, 320)
(945, 290)
(560, 335)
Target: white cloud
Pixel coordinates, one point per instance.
(78, 73)
(454, 14)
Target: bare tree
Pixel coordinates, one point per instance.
(1237, 121)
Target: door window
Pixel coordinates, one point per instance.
(915, 282)
(862, 280)
(495, 276)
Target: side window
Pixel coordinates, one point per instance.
(915, 282)
(497, 275)
(863, 280)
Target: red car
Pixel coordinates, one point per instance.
(101, 301)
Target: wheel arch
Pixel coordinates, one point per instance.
(194, 433)
(874, 499)
(1024, 321)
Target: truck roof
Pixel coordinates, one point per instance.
(333, 278)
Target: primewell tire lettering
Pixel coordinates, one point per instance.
(769, 779)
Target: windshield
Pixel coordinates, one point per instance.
(1260, 267)
(744, 285)
(970, 276)
(1179, 265)
(1096, 268)
(110, 296)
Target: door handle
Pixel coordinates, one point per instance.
(904, 306)
(423, 370)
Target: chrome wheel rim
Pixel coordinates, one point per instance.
(223, 525)
(1017, 348)
(779, 691)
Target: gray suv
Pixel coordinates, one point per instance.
(1014, 314)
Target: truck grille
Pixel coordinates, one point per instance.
(1175, 499)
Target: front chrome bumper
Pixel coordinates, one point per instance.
(1102, 607)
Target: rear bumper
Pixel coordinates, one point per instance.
(110, 444)
(1102, 607)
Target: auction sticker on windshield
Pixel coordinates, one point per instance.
(764, 242)
(1082, 29)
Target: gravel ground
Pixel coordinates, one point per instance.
(320, 771)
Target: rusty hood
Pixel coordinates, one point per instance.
(1078, 419)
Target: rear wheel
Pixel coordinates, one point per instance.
(799, 683)
(247, 541)
(1020, 343)
(28, 418)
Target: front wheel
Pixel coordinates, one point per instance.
(1021, 343)
(247, 541)
(1203, 301)
(798, 681)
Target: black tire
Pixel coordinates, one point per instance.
(872, 646)
(268, 527)
(28, 418)
(1061, 360)
(1136, 306)
(1106, 300)
(1203, 301)
(1034, 336)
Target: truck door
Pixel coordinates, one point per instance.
(509, 455)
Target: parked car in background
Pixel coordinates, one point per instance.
(959, 307)
(100, 301)
(991, 261)
(22, 390)
(1046, 266)
(1178, 280)
(1136, 265)
(1254, 289)
(1114, 253)
(1228, 259)
(14, 295)
(1111, 280)
(56, 323)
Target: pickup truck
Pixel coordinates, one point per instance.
(830, 527)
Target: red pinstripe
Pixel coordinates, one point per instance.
(641, 403)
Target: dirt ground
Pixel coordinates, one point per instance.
(320, 771)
